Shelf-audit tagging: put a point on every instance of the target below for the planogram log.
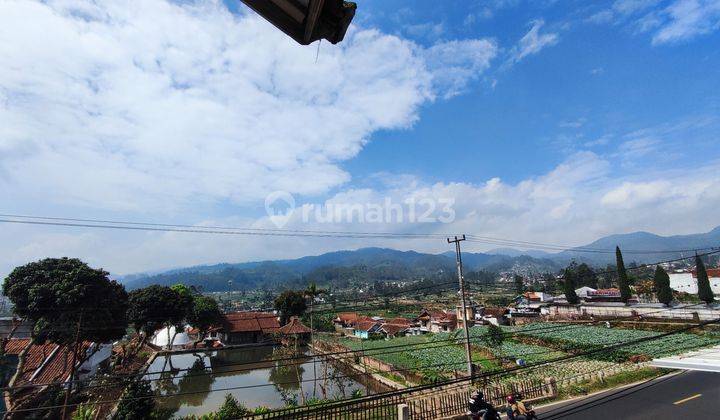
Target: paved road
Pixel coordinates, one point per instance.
(688, 395)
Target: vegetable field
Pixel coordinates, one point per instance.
(582, 337)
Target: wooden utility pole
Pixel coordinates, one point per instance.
(458, 258)
(68, 390)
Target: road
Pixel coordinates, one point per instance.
(688, 395)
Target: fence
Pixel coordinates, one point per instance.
(374, 409)
(448, 402)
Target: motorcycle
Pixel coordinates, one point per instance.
(482, 415)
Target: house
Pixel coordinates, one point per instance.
(604, 295)
(686, 281)
(436, 321)
(345, 321)
(469, 314)
(495, 316)
(248, 327)
(366, 329)
(394, 330)
(537, 297)
(581, 292)
(294, 332)
(443, 322)
(50, 363)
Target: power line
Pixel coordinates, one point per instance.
(229, 230)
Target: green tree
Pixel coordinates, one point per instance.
(661, 286)
(548, 283)
(232, 409)
(204, 315)
(494, 336)
(290, 303)
(154, 307)
(186, 297)
(705, 293)
(586, 276)
(569, 279)
(623, 281)
(519, 282)
(137, 401)
(67, 302)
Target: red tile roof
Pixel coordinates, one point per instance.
(495, 311)
(398, 321)
(44, 363)
(347, 317)
(365, 325)
(250, 322)
(294, 327)
(392, 329)
(711, 272)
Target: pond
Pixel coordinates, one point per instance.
(253, 375)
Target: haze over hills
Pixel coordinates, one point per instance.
(384, 264)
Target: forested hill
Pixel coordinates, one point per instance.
(338, 268)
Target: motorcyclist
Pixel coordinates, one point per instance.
(481, 409)
(517, 410)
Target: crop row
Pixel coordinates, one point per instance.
(581, 337)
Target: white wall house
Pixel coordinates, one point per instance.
(686, 282)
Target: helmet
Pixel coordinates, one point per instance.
(510, 399)
(477, 395)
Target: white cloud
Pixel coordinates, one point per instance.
(576, 123)
(676, 21)
(576, 202)
(686, 19)
(155, 105)
(632, 194)
(532, 42)
(626, 7)
(453, 64)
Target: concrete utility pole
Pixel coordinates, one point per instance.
(458, 258)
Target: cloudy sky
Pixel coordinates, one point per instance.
(548, 121)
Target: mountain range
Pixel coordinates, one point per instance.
(341, 267)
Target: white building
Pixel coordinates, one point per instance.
(180, 340)
(687, 281)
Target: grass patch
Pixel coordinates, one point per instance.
(622, 378)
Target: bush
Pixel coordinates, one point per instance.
(231, 409)
(137, 402)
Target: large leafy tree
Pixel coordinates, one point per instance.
(204, 315)
(186, 297)
(569, 282)
(67, 302)
(137, 402)
(586, 276)
(623, 281)
(705, 292)
(661, 285)
(290, 303)
(154, 307)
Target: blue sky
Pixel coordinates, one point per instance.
(598, 81)
(547, 121)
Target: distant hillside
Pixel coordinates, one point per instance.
(343, 268)
(340, 268)
(512, 252)
(635, 246)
